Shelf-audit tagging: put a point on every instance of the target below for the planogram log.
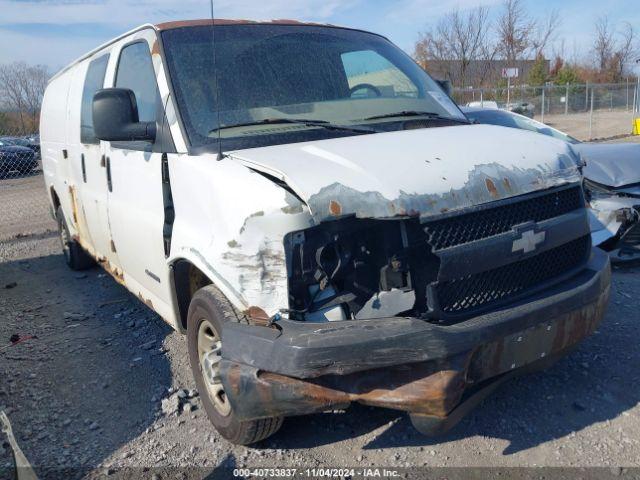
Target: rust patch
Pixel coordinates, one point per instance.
(433, 388)
(257, 316)
(507, 185)
(223, 21)
(335, 208)
(74, 204)
(491, 187)
(155, 49)
(146, 301)
(112, 270)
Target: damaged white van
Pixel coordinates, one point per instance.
(320, 219)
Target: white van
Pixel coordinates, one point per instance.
(319, 218)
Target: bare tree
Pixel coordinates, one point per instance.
(21, 90)
(604, 43)
(516, 30)
(545, 33)
(614, 49)
(456, 42)
(626, 48)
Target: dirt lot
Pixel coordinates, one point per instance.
(604, 124)
(85, 396)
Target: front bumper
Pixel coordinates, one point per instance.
(405, 363)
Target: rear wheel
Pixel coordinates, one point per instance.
(208, 310)
(74, 255)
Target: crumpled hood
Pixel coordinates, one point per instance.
(613, 165)
(415, 172)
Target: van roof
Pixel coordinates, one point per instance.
(228, 21)
(194, 23)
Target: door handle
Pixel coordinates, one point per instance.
(109, 184)
(84, 168)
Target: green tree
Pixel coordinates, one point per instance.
(567, 76)
(538, 72)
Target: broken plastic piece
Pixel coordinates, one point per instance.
(23, 469)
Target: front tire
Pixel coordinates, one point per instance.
(74, 255)
(208, 310)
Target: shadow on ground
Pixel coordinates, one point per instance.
(84, 387)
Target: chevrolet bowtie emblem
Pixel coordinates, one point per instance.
(529, 241)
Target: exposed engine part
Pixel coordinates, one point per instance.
(366, 268)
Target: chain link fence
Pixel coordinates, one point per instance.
(23, 200)
(586, 112)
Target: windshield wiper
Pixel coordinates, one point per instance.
(416, 113)
(300, 121)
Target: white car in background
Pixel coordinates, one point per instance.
(611, 178)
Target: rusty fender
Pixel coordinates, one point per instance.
(406, 364)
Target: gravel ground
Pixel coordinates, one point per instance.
(87, 393)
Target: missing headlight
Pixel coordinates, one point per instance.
(359, 268)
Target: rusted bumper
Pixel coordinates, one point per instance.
(406, 364)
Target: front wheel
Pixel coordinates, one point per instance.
(208, 310)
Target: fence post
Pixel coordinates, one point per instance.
(627, 94)
(586, 96)
(482, 97)
(542, 118)
(566, 100)
(591, 117)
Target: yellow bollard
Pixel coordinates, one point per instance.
(636, 126)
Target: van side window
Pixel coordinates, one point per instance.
(93, 82)
(135, 71)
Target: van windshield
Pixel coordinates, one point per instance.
(287, 83)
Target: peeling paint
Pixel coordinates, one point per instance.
(371, 181)
(146, 301)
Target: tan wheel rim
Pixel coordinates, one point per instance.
(209, 350)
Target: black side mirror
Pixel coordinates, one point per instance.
(115, 117)
(446, 86)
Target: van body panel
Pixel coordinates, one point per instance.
(136, 208)
(361, 256)
(433, 173)
(230, 222)
(53, 138)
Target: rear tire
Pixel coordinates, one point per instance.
(208, 310)
(74, 255)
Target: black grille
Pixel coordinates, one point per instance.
(480, 290)
(469, 227)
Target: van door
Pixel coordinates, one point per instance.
(136, 205)
(91, 182)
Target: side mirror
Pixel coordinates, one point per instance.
(115, 117)
(446, 86)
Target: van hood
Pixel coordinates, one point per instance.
(613, 165)
(422, 172)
